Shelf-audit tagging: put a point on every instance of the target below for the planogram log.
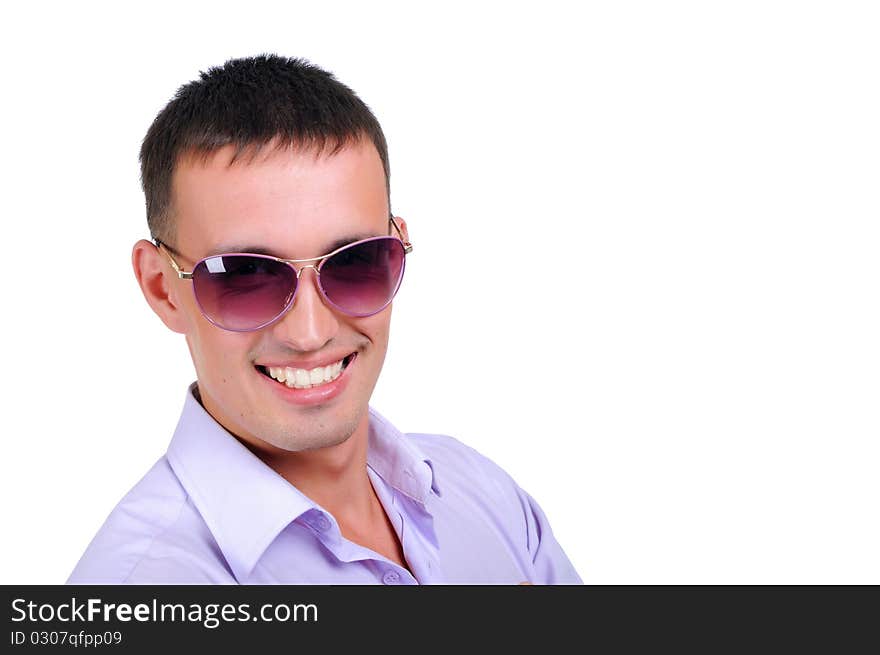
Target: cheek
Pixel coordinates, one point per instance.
(376, 328)
(217, 355)
(182, 296)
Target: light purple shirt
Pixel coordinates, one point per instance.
(211, 512)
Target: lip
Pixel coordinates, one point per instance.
(313, 395)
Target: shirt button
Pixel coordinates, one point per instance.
(391, 577)
(322, 523)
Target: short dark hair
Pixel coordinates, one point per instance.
(248, 103)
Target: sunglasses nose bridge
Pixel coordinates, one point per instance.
(299, 271)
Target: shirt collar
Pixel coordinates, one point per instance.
(400, 462)
(246, 504)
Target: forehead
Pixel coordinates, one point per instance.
(293, 202)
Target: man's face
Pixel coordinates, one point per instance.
(293, 204)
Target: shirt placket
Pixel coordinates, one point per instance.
(412, 523)
(349, 553)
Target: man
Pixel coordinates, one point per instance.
(277, 256)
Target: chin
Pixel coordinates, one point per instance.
(313, 433)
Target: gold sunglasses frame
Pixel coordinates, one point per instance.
(187, 275)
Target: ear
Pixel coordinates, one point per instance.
(402, 225)
(158, 283)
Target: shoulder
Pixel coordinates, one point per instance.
(153, 536)
(449, 450)
(482, 498)
(465, 469)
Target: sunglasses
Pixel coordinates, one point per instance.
(243, 292)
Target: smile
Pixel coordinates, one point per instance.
(300, 378)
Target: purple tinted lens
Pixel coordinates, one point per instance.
(243, 292)
(362, 279)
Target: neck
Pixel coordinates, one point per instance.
(335, 477)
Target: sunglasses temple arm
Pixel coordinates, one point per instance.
(407, 246)
(183, 275)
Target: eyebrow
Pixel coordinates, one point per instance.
(262, 250)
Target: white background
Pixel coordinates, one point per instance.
(644, 278)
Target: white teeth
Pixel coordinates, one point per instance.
(299, 378)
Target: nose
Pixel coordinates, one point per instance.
(309, 324)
